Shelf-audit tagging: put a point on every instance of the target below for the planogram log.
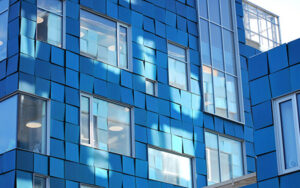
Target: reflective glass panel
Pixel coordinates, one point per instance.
(98, 38)
(85, 120)
(123, 48)
(288, 134)
(3, 34)
(216, 47)
(205, 42)
(208, 89)
(226, 13)
(214, 11)
(203, 8)
(32, 129)
(220, 93)
(3, 6)
(229, 52)
(169, 168)
(212, 158)
(49, 28)
(177, 74)
(150, 87)
(39, 182)
(53, 6)
(176, 52)
(232, 98)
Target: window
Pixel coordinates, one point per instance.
(220, 66)
(49, 21)
(178, 67)
(286, 119)
(170, 168)
(39, 181)
(224, 158)
(87, 186)
(32, 127)
(150, 87)
(105, 125)
(104, 40)
(4, 28)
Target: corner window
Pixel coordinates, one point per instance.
(178, 67)
(224, 158)
(170, 168)
(32, 128)
(49, 21)
(104, 39)
(150, 87)
(39, 181)
(105, 125)
(4, 28)
(220, 65)
(286, 118)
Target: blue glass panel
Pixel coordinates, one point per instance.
(54, 6)
(226, 13)
(3, 6)
(220, 93)
(176, 52)
(3, 34)
(203, 8)
(288, 134)
(8, 109)
(214, 11)
(229, 52)
(216, 47)
(232, 98)
(205, 42)
(177, 74)
(123, 48)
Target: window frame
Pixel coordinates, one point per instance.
(243, 150)
(63, 24)
(191, 158)
(118, 25)
(91, 126)
(187, 64)
(41, 176)
(278, 132)
(238, 75)
(88, 185)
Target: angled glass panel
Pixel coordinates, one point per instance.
(205, 42)
(226, 14)
(169, 168)
(208, 89)
(32, 128)
(4, 4)
(288, 134)
(232, 98)
(216, 47)
(123, 59)
(214, 11)
(150, 87)
(53, 6)
(220, 93)
(3, 34)
(98, 37)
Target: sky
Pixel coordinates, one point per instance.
(289, 16)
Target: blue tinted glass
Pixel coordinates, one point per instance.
(232, 98)
(177, 74)
(203, 8)
(53, 6)
(288, 134)
(8, 130)
(214, 10)
(176, 52)
(3, 5)
(3, 35)
(220, 93)
(205, 44)
(226, 13)
(229, 52)
(123, 48)
(216, 47)
(208, 89)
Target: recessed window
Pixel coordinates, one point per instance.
(105, 125)
(170, 168)
(150, 87)
(220, 73)
(3, 28)
(178, 66)
(224, 158)
(49, 21)
(104, 39)
(32, 128)
(39, 181)
(286, 117)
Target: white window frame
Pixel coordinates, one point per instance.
(92, 143)
(118, 25)
(187, 64)
(243, 150)
(237, 65)
(41, 176)
(278, 132)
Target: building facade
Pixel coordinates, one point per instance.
(119, 93)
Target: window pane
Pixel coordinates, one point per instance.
(85, 120)
(169, 168)
(214, 10)
(150, 87)
(54, 6)
(203, 8)
(176, 52)
(205, 44)
(232, 97)
(212, 158)
(49, 28)
(3, 6)
(216, 48)
(123, 48)
(220, 93)
(3, 34)
(177, 74)
(32, 129)
(288, 134)
(226, 13)
(208, 90)
(231, 160)
(8, 130)
(98, 37)
(229, 52)
(39, 182)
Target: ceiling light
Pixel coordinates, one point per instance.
(1, 43)
(39, 20)
(33, 124)
(112, 48)
(115, 128)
